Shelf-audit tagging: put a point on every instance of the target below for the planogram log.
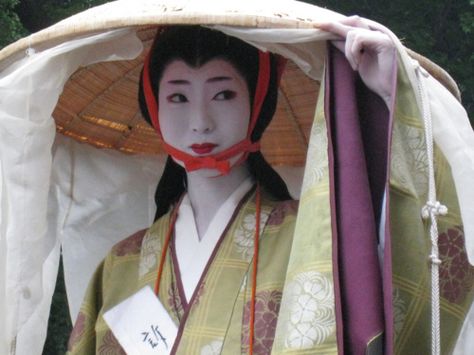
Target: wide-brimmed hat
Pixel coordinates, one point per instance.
(99, 102)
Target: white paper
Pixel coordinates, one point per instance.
(142, 325)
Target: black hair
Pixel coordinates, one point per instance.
(197, 45)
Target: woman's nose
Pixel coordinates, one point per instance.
(201, 120)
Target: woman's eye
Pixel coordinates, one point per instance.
(225, 95)
(177, 98)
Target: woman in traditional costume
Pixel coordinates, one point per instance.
(218, 251)
(357, 273)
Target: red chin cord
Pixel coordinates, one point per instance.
(218, 161)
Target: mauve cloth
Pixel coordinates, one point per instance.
(359, 136)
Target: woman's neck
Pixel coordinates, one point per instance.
(207, 194)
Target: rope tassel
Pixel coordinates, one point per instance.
(431, 210)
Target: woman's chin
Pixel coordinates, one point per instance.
(204, 173)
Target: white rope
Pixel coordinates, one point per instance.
(431, 210)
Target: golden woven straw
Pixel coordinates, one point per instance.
(99, 102)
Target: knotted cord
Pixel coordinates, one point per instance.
(432, 209)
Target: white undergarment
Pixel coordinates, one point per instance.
(192, 253)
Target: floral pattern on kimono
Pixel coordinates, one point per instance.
(456, 273)
(267, 305)
(215, 319)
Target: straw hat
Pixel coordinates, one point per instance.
(105, 112)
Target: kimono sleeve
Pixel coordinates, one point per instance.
(83, 336)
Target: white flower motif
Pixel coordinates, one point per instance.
(316, 161)
(409, 159)
(151, 246)
(244, 235)
(399, 311)
(311, 307)
(213, 348)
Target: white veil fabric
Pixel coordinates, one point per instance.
(34, 213)
(57, 193)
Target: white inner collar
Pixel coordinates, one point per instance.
(192, 253)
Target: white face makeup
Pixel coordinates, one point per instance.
(205, 110)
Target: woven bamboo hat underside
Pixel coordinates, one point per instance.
(99, 103)
(99, 106)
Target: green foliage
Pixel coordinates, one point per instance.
(60, 9)
(467, 22)
(12, 29)
(59, 324)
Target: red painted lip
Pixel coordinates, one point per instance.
(203, 148)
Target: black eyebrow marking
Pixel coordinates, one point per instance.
(210, 80)
(178, 82)
(218, 78)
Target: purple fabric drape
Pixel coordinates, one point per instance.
(358, 124)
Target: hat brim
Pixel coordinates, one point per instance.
(99, 102)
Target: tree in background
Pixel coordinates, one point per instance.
(19, 18)
(38, 14)
(10, 24)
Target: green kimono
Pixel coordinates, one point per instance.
(216, 319)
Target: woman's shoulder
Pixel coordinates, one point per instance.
(130, 245)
